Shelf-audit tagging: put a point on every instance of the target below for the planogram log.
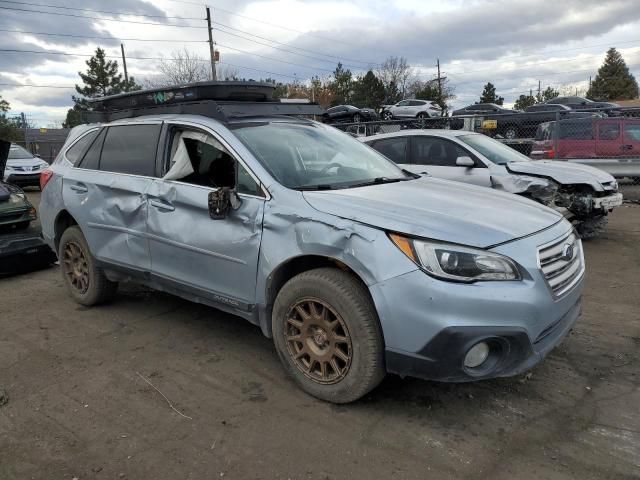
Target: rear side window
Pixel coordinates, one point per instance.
(91, 159)
(130, 149)
(435, 151)
(576, 130)
(393, 148)
(74, 154)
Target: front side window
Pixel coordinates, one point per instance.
(609, 131)
(315, 156)
(632, 131)
(393, 148)
(435, 151)
(403, 103)
(130, 149)
(493, 150)
(198, 158)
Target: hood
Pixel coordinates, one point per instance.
(438, 209)
(4, 155)
(563, 172)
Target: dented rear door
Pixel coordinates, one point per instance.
(111, 206)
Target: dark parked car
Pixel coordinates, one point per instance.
(348, 113)
(588, 138)
(580, 103)
(482, 109)
(20, 246)
(512, 124)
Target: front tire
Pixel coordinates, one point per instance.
(510, 133)
(327, 335)
(85, 281)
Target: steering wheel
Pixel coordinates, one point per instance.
(329, 167)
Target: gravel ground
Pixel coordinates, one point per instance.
(81, 400)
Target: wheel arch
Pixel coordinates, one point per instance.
(63, 221)
(289, 269)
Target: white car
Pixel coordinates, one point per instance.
(412, 109)
(585, 195)
(23, 168)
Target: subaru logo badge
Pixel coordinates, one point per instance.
(567, 252)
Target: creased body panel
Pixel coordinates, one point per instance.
(188, 247)
(111, 210)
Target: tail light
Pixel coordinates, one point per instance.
(550, 153)
(45, 176)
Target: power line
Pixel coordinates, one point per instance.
(103, 38)
(273, 59)
(291, 46)
(32, 85)
(99, 11)
(100, 18)
(285, 50)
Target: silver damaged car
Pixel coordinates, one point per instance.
(583, 194)
(352, 265)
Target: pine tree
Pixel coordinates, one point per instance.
(100, 80)
(613, 81)
(489, 95)
(341, 86)
(524, 101)
(548, 94)
(368, 91)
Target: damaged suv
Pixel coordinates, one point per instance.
(583, 194)
(352, 265)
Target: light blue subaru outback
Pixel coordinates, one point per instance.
(354, 266)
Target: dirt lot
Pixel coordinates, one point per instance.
(79, 406)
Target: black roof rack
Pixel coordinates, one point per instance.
(220, 100)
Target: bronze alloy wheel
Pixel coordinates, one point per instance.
(76, 267)
(318, 341)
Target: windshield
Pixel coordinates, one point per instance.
(16, 152)
(495, 151)
(315, 156)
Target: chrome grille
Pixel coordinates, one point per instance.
(562, 263)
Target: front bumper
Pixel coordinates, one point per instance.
(26, 180)
(429, 324)
(607, 203)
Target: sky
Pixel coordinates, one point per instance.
(512, 43)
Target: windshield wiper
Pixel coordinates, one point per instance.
(322, 186)
(379, 181)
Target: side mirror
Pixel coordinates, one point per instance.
(221, 201)
(465, 162)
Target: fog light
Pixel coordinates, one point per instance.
(476, 355)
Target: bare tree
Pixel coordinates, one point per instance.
(227, 73)
(395, 71)
(183, 67)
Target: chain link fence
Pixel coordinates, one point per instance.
(607, 138)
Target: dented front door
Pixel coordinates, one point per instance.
(111, 210)
(216, 259)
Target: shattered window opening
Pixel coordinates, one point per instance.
(199, 159)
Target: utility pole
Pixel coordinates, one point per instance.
(539, 90)
(211, 50)
(124, 65)
(439, 84)
(23, 119)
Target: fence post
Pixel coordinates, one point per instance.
(556, 135)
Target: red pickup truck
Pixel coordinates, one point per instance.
(610, 137)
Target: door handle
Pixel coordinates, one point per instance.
(79, 188)
(626, 147)
(160, 205)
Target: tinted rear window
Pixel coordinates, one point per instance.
(130, 149)
(74, 154)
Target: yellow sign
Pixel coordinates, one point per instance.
(489, 124)
(43, 130)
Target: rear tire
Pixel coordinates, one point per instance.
(327, 335)
(85, 281)
(356, 118)
(510, 133)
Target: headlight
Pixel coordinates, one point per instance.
(43, 165)
(16, 198)
(455, 262)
